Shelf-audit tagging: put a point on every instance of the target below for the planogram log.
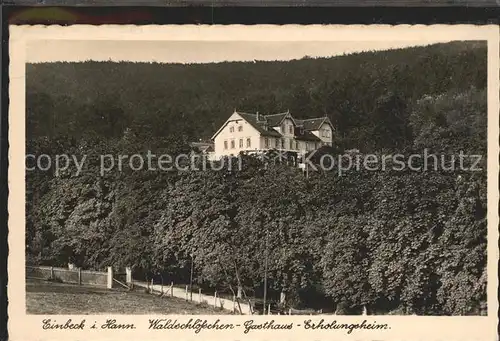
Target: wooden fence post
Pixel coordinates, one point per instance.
(151, 291)
(186, 292)
(269, 309)
(215, 299)
(128, 274)
(110, 277)
(234, 303)
(52, 272)
(79, 276)
(199, 294)
(172, 289)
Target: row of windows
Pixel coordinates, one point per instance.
(233, 143)
(290, 128)
(325, 132)
(279, 143)
(292, 145)
(231, 129)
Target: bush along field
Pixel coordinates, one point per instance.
(394, 241)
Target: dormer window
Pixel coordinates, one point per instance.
(231, 129)
(240, 128)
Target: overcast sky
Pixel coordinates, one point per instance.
(197, 51)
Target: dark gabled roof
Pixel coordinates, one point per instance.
(260, 126)
(264, 125)
(275, 119)
(203, 146)
(304, 135)
(313, 123)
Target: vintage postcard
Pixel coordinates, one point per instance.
(253, 182)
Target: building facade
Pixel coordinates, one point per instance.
(257, 133)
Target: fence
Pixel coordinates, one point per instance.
(109, 279)
(233, 305)
(75, 275)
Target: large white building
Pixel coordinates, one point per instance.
(255, 133)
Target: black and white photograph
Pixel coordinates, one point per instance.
(222, 177)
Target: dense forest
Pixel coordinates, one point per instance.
(401, 242)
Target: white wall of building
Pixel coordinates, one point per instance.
(236, 136)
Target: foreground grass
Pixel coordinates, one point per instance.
(58, 298)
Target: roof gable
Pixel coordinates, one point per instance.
(312, 124)
(275, 120)
(230, 119)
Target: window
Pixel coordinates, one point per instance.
(277, 143)
(241, 143)
(232, 144)
(266, 142)
(231, 129)
(296, 145)
(290, 143)
(283, 126)
(240, 128)
(225, 144)
(249, 143)
(282, 144)
(290, 129)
